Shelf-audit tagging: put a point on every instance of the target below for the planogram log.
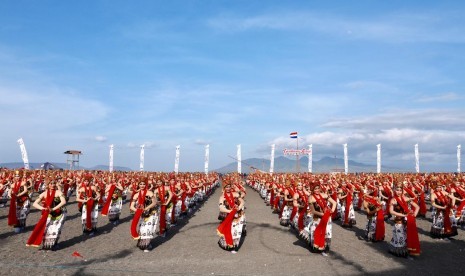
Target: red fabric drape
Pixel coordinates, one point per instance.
(413, 242)
(89, 208)
(224, 229)
(106, 206)
(37, 234)
(138, 214)
(161, 193)
(319, 240)
(380, 228)
(12, 218)
(347, 209)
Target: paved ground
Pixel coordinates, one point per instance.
(191, 248)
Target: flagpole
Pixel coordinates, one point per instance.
(297, 156)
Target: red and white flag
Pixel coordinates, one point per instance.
(293, 134)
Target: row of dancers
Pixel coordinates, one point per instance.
(309, 203)
(156, 200)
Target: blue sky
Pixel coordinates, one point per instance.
(83, 75)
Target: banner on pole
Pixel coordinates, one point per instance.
(296, 151)
(417, 159)
(142, 158)
(176, 161)
(272, 158)
(207, 157)
(459, 157)
(239, 162)
(111, 159)
(310, 158)
(346, 160)
(378, 158)
(22, 147)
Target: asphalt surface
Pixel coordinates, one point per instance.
(191, 248)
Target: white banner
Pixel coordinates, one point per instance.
(272, 158)
(346, 160)
(459, 157)
(142, 158)
(176, 160)
(417, 159)
(207, 157)
(378, 159)
(111, 159)
(239, 161)
(310, 158)
(295, 151)
(22, 147)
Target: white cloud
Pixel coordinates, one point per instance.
(445, 97)
(100, 138)
(430, 119)
(392, 28)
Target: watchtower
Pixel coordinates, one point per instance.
(73, 159)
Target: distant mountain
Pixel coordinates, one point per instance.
(106, 168)
(284, 164)
(33, 166)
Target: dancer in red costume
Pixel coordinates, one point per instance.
(233, 226)
(321, 226)
(405, 239)
(48, 228)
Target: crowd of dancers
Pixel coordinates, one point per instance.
(310, 203)
(307, 203)
(156, 200)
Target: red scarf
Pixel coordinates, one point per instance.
(319, 236)
(37, 234)
(89, 208)
(348, 203)
(360, 198)
(300, 221)
(138, 214)
(380, 229)
(12, 218)
(413, 242)
(224, 229)
(422, 204)
(183, 198)
(271, 196)
(174, 199)
(161, 194)
(462, 204)
(443, 200)
(106, 206)
(410, 193)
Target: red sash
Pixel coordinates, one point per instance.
(380, 229)
(137, 215)
(12, 218)
(271, 196)
(174, 199)
(443, 200)
(161, 194)
(106, 206)
(413, 242)
(360, 199)
(300, 220)
(348, 203)
(89, 208)
(319, 240)
(224, 229)
(422, 204)
(37, 234)
(462, 204)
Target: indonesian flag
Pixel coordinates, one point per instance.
(293, 134)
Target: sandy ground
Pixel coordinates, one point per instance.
(191, 248)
